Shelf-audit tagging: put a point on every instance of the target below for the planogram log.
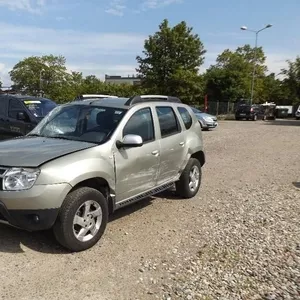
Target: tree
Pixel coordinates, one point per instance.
(230, 78)
(171, 62)
(292, 80)
(40, 75)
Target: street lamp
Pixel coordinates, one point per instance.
(245, 28)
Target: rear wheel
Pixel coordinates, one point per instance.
(190, 179)
(82, 219)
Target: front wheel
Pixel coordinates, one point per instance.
(82, 219)
(190, 179)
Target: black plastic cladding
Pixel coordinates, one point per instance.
(139, 99)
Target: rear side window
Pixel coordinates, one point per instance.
(15, 106)
(186, 117)
(167, 120)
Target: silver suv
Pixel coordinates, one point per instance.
(86, 159)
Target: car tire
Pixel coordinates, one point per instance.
(237, 118)
(91, 223)
(184, 188)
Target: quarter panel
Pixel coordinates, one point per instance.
(74, 168)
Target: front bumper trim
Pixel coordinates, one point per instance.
(28, 219)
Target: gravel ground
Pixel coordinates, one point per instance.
(238, 239)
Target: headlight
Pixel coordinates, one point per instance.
(18, 179)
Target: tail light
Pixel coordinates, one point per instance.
(252, 110)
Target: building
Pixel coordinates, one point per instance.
(133, 80)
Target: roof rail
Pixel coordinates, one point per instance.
(150, 98)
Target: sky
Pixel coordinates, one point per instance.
(104, 36)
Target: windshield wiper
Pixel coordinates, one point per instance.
(35, 134)
(60, 137)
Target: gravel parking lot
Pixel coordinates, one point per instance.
(238, 239)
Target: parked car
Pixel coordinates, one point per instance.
(119, 151)
(249, 112)
(20, 114)
(93, 96)
(297, 113)
(206, 121)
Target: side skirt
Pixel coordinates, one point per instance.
(149, 193)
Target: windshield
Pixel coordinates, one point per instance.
(84, 123)
(39, 107)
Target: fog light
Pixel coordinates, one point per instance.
(36, 218)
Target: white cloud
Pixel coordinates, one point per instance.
(116, 8)
(36, 41)
(153, 4)
(32, 6)
(90, 52)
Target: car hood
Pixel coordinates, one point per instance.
(202, 115)
(34, 151)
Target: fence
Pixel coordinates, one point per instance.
(220, 107)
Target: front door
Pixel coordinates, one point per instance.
(137, 168)
(17, 127)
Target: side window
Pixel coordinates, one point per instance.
(186, 117)
(141, 123)
(14, 107)
(167, 121)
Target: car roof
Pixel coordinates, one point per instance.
(24, 97)
(126, 103)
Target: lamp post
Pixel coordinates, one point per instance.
(255, 53)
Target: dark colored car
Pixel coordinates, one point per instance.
(20, 114)
(249, 112)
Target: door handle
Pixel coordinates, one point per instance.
(181, 143)
(155, 152)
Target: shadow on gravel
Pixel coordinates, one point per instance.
(296, 184)
(12, 239)
(283, 122)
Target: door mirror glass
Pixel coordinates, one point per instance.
(130, 140)
(21, 116)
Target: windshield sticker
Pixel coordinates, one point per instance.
(32, 101)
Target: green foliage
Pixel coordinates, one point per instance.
(292, 80)
(230, 78)
(43, 74)
(48, 76)
(172, 57)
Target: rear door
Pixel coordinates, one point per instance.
(172, 142)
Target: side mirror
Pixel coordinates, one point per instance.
(130, 140)
(21, 116)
